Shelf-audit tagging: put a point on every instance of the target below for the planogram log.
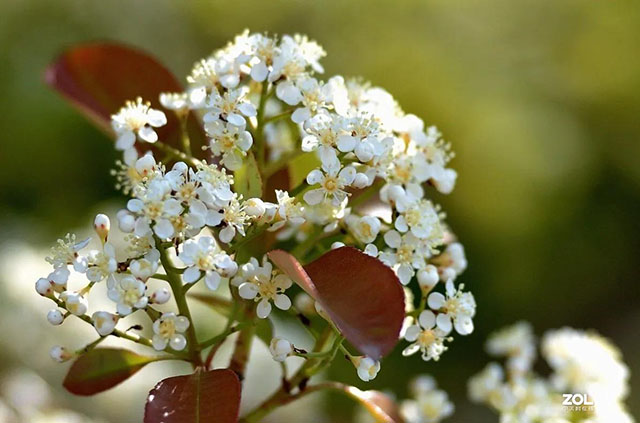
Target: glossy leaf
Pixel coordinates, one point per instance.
(361, 295)
(101, 369)
(201, 397)
(247, 180)
(99, 78)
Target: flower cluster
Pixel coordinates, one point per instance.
(582, 363)
(195, 216)
(429, 404)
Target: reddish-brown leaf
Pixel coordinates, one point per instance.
(202, 397)
(102, 369)
(378, 404)
(362, 296)
(99, 78)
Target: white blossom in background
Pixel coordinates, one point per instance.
(582, 363)
(428, 404)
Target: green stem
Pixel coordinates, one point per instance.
(175, 283)
(259, 137)
(184, 134)
(177, 154)
(282, 162)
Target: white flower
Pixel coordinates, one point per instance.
(146, 266)
(55, 317)
(409, 254)
(280, 349)
(430, 405)
(104, 322)
(452, 262)
(233, 217)
(215, 190)
(332, 180)
(102, 263)
(484, 384)
(204, 256)
(423, 220)
(322, 132)
(168, 330)
(65, 253)
(457, 307)
(229, 141)
(232, 106)
(518, 343)
(425, 337)
(136, 118)
(75, 303)
(315, 97)
(366, 367)
(60, 354)
(128, 293)
(364, 228)
(585, 362)
(174, 101)
(155, 206)
(263, 285)
(288, 210)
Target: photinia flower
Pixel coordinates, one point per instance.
(332, 180)
(425, 337)
(136, 118)
(129, 294)
(457, 307)
(263, 285)
(168, 330)
(280, 349)
(204, 256)
(366, 367)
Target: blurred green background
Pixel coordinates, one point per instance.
(540, 99)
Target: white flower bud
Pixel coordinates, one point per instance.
(102, 224)
(280, 349)
(60, 354)
(44, 287)
(160, 296)
(126, 221)
(255, 207)
(55, 317)
(336, 245)
(367, 367)
(75, 303)
(104, 322)
(428, 277)
(305, 304)
(360, 181)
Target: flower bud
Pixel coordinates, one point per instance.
(428, 277)
(60, 354)
(336, 245)
(75, 303)
(55, 317)
(360, 181)
(104, 322)
(102, 224)
(366, 367)
(44, 287)
(280, 349)
(126, 221)
(255, 207)
(160, 296)
(145, 165)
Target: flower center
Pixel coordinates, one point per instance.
(167, 328)
(330, 184)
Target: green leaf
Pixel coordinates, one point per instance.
(247, 180)
(201, 397)
(361, 295)
(101, 369)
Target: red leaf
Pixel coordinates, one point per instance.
(99, 78)
(204, 396)
(102, 369)
(362, 296)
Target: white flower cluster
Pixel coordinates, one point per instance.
(582, 363)
(429, 404)
(261, 106)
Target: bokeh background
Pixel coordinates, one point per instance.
(540, 99)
